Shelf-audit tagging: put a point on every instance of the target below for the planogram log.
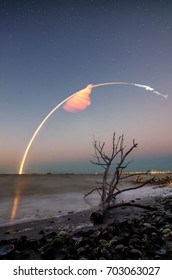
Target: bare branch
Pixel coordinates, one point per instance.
(93, 190)
(134, 188)
(110, 181)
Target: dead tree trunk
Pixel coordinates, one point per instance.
(113, 165)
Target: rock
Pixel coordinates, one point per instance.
(165, 231)
(80, 250)
(113, 241)
(158, 240)
(49, 254)
(50, 236)
(169, 245)
(135, 240)
(111, 228)
(78, 242)
(167, 226)
(33, 243)
(169, 218)
(95, 253)
(63, 233)
(87, 247)
(136, 253)
(119, 247)
(158, 250)
(103, 242)
(96, 234)
(57, 242)
(6, 249)
(166, 235)
(106, 254)
(147, 225)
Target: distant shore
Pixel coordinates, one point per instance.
(152, 172)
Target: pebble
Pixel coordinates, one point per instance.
(103, 242)
(63, 233)
(6, 249)
(57, 242)
(165, 231)
(119, 247)
(80, 250)
(49, 254)
(136, 253)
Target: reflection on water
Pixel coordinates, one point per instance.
(20, 187)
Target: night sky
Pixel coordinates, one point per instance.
(51, 49)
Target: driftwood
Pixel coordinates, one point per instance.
(97, 216)
(134, 188)
(112, 176)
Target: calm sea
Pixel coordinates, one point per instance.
(33, 197)
(30, 197)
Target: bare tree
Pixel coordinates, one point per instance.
(113, 165)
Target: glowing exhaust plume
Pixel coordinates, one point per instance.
(76, 102)
(39, 127)
(80, 101)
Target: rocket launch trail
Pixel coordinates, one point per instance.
(77, 102)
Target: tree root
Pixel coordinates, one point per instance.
(97, 216)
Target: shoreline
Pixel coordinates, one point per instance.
(126, 233)
(74, 221)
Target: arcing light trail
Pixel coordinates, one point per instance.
(78, 101)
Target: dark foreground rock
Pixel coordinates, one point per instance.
(146, 237)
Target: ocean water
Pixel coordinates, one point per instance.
(34, 197)
(44, 196)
